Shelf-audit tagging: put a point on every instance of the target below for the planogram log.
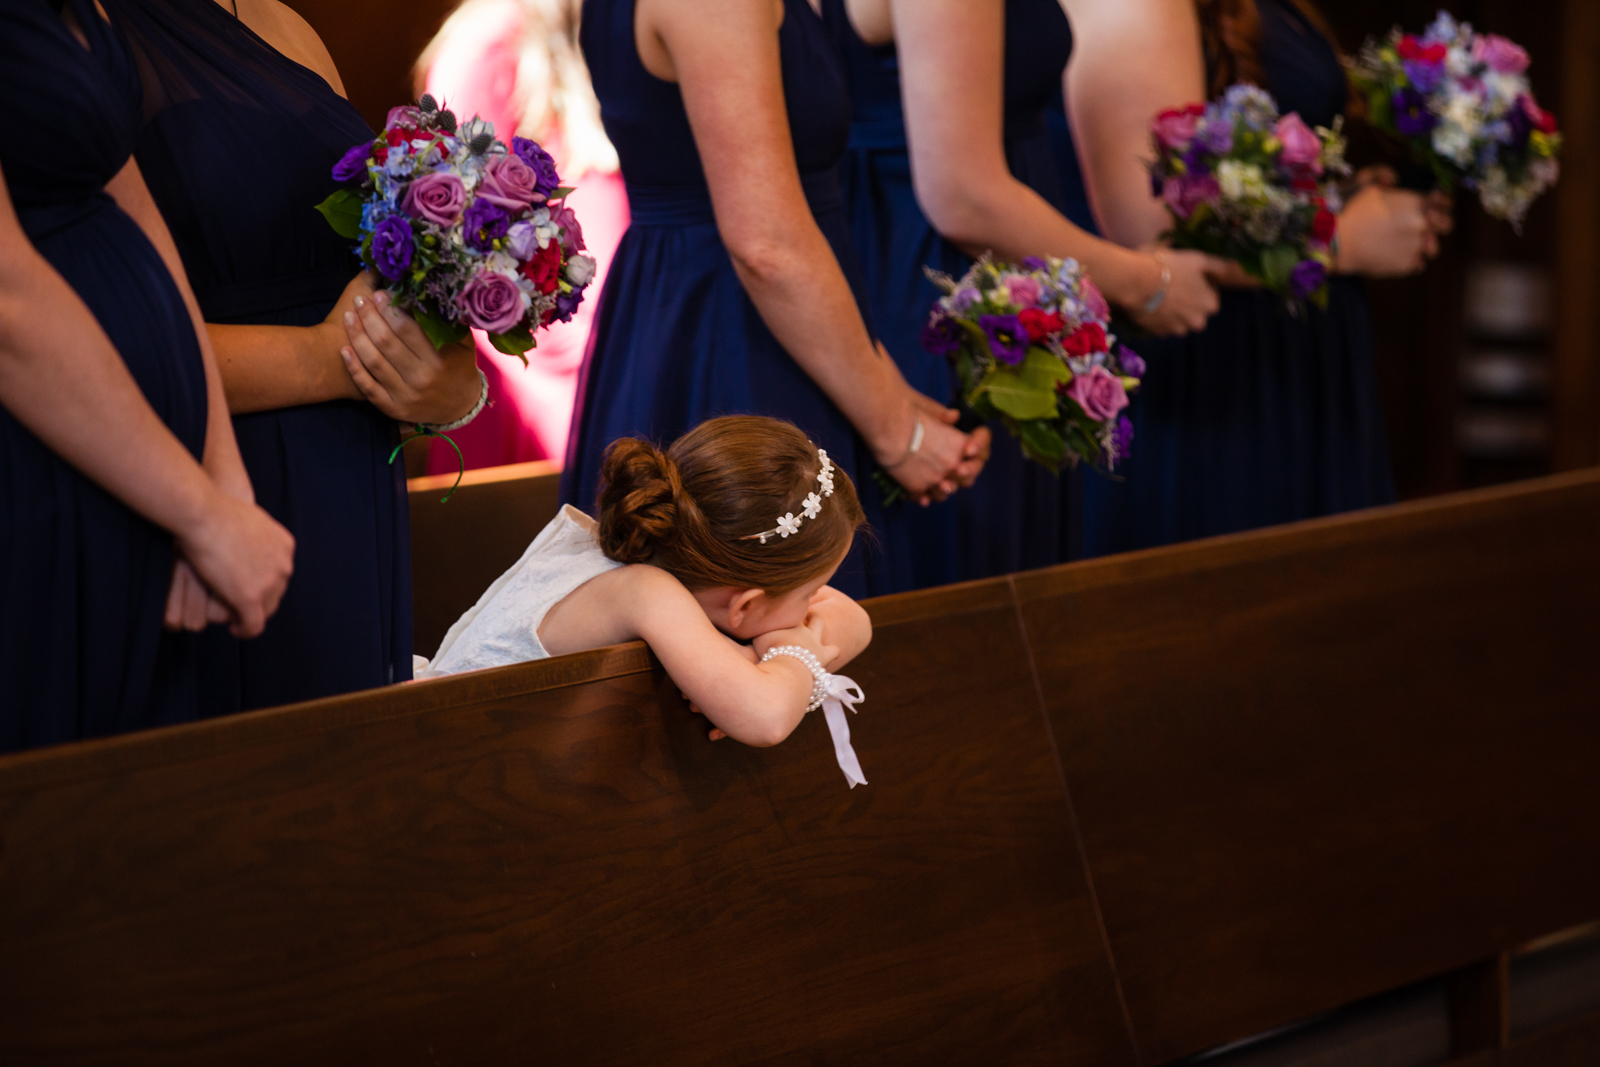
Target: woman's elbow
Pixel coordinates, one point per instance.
(962, 212)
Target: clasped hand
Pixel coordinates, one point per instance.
(394, 365)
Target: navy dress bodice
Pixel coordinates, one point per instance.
(1264, 417)
(1018, 515)
(84, 584)
(676, 338)
(237, 149)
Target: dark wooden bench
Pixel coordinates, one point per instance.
(1119, 812)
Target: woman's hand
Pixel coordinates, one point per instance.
(244, 557)
(1386, 232)
(190, 606)
(1191, 298)
(397, 368)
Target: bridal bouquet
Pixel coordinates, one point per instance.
(1247, 184)
(465, 231)
(1031, 348)
(1461, 102)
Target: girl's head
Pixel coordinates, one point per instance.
(696, 509)
(1230, 32)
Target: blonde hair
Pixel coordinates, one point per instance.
(553, 99)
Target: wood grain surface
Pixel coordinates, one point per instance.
(1319, 762)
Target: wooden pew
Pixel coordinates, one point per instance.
(1305, 765)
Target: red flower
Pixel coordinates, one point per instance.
(1085, 340)
(399, 135)
(1303, 184)
(1413, 49)
(544, 269)
(1039, 323)
(380, 153)
(1324, 224)
(1543, 121)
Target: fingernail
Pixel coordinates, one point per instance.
(360, 300)
(349, 318)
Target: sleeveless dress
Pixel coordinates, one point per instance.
(1263, 417)
(677, 340)
(237, 150)
(1018, 515)
(84, 584)
(503, 626)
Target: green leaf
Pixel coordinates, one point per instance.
(1042, 444)
(514, 342)
(343, 212)
(1277, 263)
(441, 332)
(1028, 390)
(557, 194)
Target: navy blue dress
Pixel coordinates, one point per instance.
(237, 150)
(1263, 417)
(1018, 515)
(84, 582)
(677, 339)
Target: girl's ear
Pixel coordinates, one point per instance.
(741, 604)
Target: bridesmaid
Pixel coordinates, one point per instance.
(110, 405)
(735, 289)
(245, 118)
(1265, 417)
(949, 156)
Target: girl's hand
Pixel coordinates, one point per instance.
(1191, 298)
(808, 636)
(397, 368)
(840, 622)
(1386, 232)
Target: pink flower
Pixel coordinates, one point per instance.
(435, 197)
(571, 231)
(1301, 146)
(1099, 393)
(1024, 291)
(1502, 55)
(490, 302)
(1174, 128)
(406, 115)
(509, 183)
(1093, 301)
(1185, 194)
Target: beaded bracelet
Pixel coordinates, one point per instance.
(477, 409)
(1166, 283)
(819, 685)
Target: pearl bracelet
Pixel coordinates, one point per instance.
(819, 685)
(477, 409)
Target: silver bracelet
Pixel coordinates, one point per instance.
(477, 409)
(918, 431)
(1166, 283)
(820, 677)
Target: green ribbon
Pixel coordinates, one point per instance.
(423, 431)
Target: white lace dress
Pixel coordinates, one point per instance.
(503, 626)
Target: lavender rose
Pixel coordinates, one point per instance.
(1306, 278)
(1301, 146)
(392, 247)
(1183, 195)
(1008, 338)
(1033, 263)
(491, 302)
(509, 183)
(1023, 290)
(540, 162)
(1502, 55)
(1174, 128)
(435, 197)
(522, 240)
(353, 163)
(1099, 393)
(1425, 77)
(1093, 301)
(404, 117)
(483, 223)
(571, 231)
(1215, 137)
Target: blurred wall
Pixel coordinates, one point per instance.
(374, 43)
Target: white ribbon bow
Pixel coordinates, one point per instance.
(841, 693)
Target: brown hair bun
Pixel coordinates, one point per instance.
(639, 491)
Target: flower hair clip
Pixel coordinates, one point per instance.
(810, 507)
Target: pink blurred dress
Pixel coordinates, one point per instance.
(531, 409)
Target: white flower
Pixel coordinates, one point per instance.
(788, 525)
(1240, 181)
(472, 127)
(580, 270)
(812, 506)
(502, 262)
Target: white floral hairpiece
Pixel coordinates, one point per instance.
(810, 507)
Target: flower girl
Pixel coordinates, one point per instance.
(729, 536)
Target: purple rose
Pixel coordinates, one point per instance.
(509, 183)
(1302, 148)
(942, 336)
(483, 223)
(435, 198)
(567, 304)
(522, 240)
(1411, 115)
(1174, 128)
(540, 162)
(1424, 77)
(1216, 137)
(353, 163)
(1132, 363)
(1183, 195)
(1122, 437)
(1099, 393)
(404, 117)
(1033, 263)
(490, 302)
(1094, 302)
(1008, 338)
(571, 230)
(1023, 290)
(964, 299)
(1500, 54)
(1306, 278)
(392, 247)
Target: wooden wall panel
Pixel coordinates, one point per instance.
(550, 863)
(1316, 763)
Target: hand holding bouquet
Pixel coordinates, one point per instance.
(1245, 184)
(1031, 348)
(465, 231)
(1461, 102)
